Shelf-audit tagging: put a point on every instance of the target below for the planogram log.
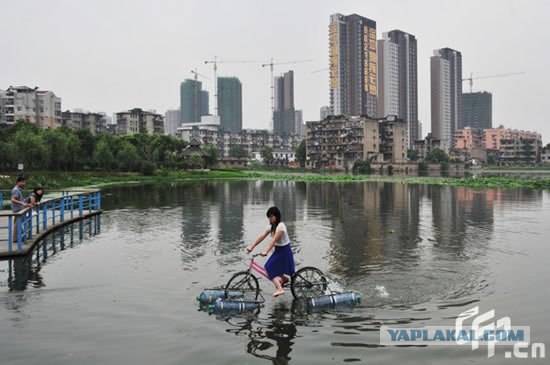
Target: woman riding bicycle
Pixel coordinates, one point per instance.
(281, 262)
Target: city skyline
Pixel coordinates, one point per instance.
(108, 79)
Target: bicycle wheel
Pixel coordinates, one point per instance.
(308, 282)
(246, 283)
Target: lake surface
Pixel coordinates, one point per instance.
(121, 289)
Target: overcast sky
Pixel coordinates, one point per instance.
(112, 55)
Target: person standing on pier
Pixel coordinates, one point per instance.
(280, 265)
(18, 202)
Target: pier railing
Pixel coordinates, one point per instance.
(17, 229)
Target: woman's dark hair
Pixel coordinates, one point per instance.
(37, 196)
(274, 211)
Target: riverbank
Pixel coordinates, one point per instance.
(56, 181)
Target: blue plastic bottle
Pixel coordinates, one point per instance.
(209, 296)
(233, 306)
(333, 300)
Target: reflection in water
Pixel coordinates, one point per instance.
(271, 340)
(195, 201)
(25, 270)
(231, 222)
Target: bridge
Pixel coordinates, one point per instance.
(21, 231)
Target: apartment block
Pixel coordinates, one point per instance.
(468, 138)
(250, 140)
(426, 145)
(39, 107)
(138, 120)
(94, 122)
(337, 142)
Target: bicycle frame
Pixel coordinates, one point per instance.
(257, 267)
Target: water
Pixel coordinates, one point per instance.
(123, 290)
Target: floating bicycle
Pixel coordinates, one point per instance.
(308, 282)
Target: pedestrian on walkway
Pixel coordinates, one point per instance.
(18, 203)
(17, 200)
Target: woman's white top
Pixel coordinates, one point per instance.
(281, 227)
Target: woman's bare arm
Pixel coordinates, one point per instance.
(276, 238)
(258, 240)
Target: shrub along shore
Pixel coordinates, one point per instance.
(57, 180)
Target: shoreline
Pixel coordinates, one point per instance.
(61, 181)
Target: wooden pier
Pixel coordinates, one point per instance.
(20, 232)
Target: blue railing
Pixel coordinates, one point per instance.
(22, 225)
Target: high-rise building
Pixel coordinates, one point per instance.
(193, 101)
(299, 122)
(398, 80)
(324, 112)
(40, 107)
(446, 90)
(284, 113)
(477, 110)
(204, 103)
(230, 103)
(172, 121)
(352, 53)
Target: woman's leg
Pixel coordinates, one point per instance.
(278, 287)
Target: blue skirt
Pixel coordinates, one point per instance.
(280, 262)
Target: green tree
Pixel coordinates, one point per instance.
(301, 153)
(238, 152)
(195, 161)
(144, 144)
(58, 146)
(267, 155)
(423, 166)
(103, 156)
(86, 142)
(164, 148)
(128, 157)
(213, 155)
(437, 155)
(31, 150)
(8, 153)
(363, 167)
(413, 155)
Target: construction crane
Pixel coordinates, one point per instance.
(196, 85)
(320, 70)
(271, 65)
(215, 62)
(472, 78)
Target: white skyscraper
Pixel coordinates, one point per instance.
(398, 80)
(446, 90)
